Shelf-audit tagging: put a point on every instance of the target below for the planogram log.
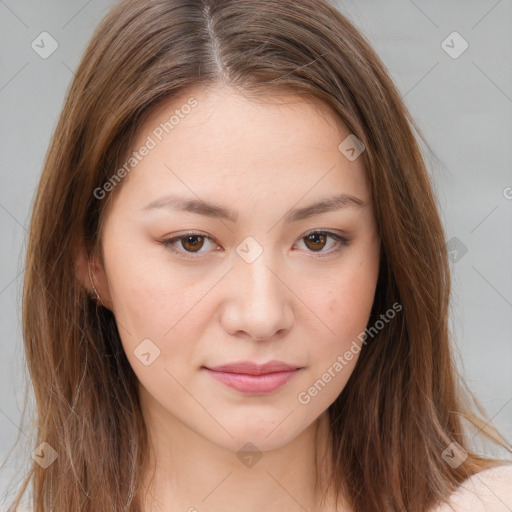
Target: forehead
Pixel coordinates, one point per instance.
(215, 141)
(246, 125)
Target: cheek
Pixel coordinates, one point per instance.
(147, 291)
(344, 306)
(156, 302)
(349, 303)
(350, 297)
(158, 312)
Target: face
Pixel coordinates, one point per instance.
(213, 256)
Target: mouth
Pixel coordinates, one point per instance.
(252, 378)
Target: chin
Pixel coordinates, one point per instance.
(265, 434)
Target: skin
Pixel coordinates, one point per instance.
(289, 304)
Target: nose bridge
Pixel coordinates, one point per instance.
(255, 267)
(261, 306)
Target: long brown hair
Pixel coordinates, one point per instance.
(405, 401)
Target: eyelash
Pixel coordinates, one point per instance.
(342, 242)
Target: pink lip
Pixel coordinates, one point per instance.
(249, 377)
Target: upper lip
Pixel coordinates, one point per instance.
(250, 368)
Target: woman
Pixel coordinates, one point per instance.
(237, 288)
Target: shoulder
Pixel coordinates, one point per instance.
(487, 491)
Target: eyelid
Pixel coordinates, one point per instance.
(341, 238)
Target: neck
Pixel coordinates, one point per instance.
(190, 473)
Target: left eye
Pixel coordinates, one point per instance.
(192, 243)
(318, 239)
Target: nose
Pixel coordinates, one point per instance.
(258, 300)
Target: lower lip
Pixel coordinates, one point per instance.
(265, 383)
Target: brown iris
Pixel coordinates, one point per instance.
(190, 244)
(318, 240)
(194, 243)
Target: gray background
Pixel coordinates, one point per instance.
(462, 105)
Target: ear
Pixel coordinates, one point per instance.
(89, 272)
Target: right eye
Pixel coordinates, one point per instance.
(191, 243)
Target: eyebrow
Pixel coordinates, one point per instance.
(200, 207)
